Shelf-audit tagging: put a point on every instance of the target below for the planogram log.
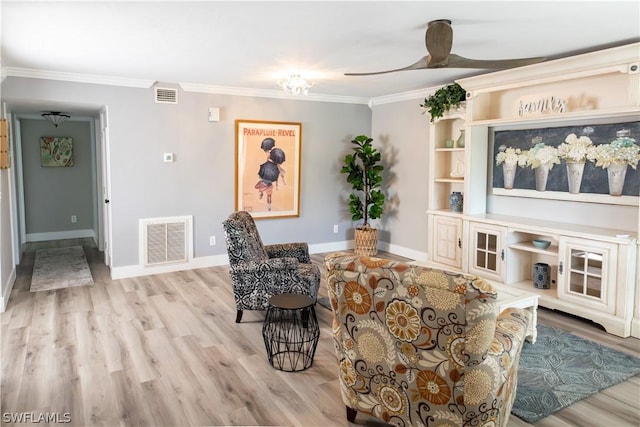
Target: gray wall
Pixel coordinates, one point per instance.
(403, 133)
(53, 194)
(201, 180)
(6, 252)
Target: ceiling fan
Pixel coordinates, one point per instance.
(438, 39)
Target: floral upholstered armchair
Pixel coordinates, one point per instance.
(422, 347)
(259, 271)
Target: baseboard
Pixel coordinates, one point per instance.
(217, 260)
(635, 327)
(139, 270)
(402, 251)
(319, 248)
(7, 290)
(61, 235)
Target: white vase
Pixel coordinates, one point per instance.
(542, 173)
(574, 176)
(617, 173)
(509, 174)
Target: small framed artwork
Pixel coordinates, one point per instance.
(268, 168)
(56, 151)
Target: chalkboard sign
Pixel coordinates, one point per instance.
(594, 179)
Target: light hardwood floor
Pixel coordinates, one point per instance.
(164, 350)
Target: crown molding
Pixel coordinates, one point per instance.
(403, 96)
(267, 93)
(79, 78)
(220, 90)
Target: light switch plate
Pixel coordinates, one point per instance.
(168, 157)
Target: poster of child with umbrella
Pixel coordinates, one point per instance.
(268, 168)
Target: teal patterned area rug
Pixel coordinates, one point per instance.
(561, 369)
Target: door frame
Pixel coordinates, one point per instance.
(103, 163)
(100, 172)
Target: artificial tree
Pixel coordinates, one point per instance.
(364, 173)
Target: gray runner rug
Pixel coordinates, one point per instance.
(561, 369)
(60, 268)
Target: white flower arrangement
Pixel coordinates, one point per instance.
(542, 154)
(619, 151)
(575, 149)
(510, 156)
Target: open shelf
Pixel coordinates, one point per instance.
(451, 180)
(527, 285)
(529, 247)
(450, 149)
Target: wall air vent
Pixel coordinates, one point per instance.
(166, 95)
(166, 240)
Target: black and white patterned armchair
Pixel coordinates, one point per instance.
(259, 271)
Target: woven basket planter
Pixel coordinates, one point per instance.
(366, 241)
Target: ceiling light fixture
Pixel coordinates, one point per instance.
(55, 117)
(295, 85)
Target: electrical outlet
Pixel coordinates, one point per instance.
(335, 228)
(212, 241)
(74, 219)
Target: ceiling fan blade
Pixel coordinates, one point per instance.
(457, 61)
(438, 39)
(421, 64)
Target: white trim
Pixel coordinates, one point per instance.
(60, 235)
(208, 261)
(404, 96)
(319, 248)
(140, 270)
(7, 290)
(602, 61)
(268, 93)
(218, 260)
(79, 78)
(402, 251)
(635, 327)
(220, 90)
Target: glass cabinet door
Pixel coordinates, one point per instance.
(486, 249)
(486, 255)
(587, 273)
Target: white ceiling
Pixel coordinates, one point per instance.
(253, 44)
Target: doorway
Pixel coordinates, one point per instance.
(51, 205)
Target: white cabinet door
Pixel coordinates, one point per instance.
(587, 273)
(486, 250)
(447, 241)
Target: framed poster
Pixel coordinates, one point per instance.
(268, 168)
(56, 151)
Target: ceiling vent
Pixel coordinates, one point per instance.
(166, 95)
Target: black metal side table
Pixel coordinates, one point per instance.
(291, 332)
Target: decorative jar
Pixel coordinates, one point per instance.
(541, 275)
(455, 201)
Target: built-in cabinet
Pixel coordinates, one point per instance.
(593, 270)
(447, 240)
